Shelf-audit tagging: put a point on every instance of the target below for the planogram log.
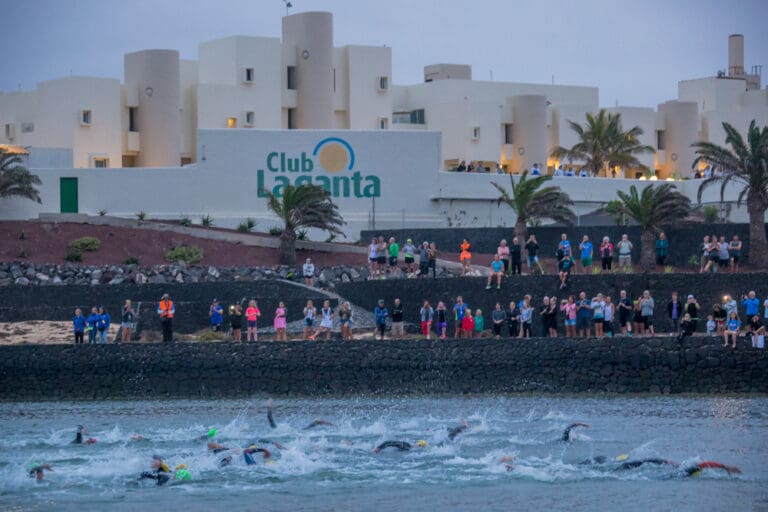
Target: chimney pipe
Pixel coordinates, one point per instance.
(736, 55)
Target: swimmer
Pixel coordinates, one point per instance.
(182, 473)
(319, 423)
(226, 461)
(248, 454)
(602, 459)
(632, 464)
(455, 431)
(79, 436)
(213, 445)
(276, 444)
(567, 433)
(36, 470)
(160, 471)
(696, 469)
(138, 438)
(507, 461)
(269, 414)
(402, 446)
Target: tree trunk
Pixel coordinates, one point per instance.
(647, 250)
(758, 247)
(288, 247)
(521, 231)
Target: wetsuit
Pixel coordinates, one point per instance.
(318, 423)
(78, 438)
(400, 445)
(37, 470)
(455, 431)
(248, 454)
(270, 418)
(567, 432)
(696, 469)
(161, 474)
(632, 464)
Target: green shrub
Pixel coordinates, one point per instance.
(301, 234)
(210, 336)
(251, 222)
(243, 227)
(185, 221)
(131, 260)
(189, 253)
(141, 215)
(331, 238)
(102, 213)
(73, 255)
(668, 269)
(206, 221)
(693, 261)
(710, 213)
(85, 244)
(276, 230)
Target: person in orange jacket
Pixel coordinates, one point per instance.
(166, 310)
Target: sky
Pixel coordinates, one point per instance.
(635, 52)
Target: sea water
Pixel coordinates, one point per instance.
(335, 468)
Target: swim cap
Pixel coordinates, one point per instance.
(422, 443)
(183, 474)
(621, 457)
(181, 466)
(409, 241)
(212, 432)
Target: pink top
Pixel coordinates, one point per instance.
(280, 318)
(503, 251)
(252, 313)
(570, 310)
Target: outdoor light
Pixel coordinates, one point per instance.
(642, 178)
(654, 178)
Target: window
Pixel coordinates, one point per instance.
(27, 127)
(660, 139)
(409, 117)
(383, 83)
(10, 131)
(383, 123)
(100, 162)
(476, 133)
(85, 117)
(291, 118)
(291, 78)
(508, 133)
(132, 121)
(249, 117)
(231, 122)
(417, 116)
(247, 75)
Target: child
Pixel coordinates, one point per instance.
(468, 325)
(251, 316)
(309, 319)
(479, 323)
(465, 257)
(326, 320)
(686, 327)
(711, 326)
(280, 322)
(78, 324)
(732, 329)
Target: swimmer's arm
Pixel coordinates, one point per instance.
(269, 414)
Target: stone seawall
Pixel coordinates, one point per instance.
(209, 370)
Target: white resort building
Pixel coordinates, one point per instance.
(169, 112)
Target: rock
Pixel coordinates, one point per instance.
(43, 278)
(57, 280)
(30, 273)
(96, 275)
(16, 272)
(140, 278)
(158, 279)
(6, 281)
(213, 272)
(179, 277)
(354, 274)
(23, 281)
(117, 280)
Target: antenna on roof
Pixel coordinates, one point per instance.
(288, 5)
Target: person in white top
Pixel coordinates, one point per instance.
(326, 321)
(559, 171)
(372, 257)
(308, 270)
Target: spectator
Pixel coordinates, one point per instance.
(543, 310)
(503, 251)
(564, 266)
(92, 323)
(757, 328)
(397, 320)
(535, 171)
(394, 254)
(674, 312)
(692, 308)
(610, 312)
(583, 315)
(662, 249)
(625, 313)
(549, 318)
(381, 257)
(236, 322)
(568, 307)
(215, 313)
(584, 172)
(462, 167)
(497, 271)
(465, 257)
(252, 315)
(424, 259)
(713, 254)
(103, 325)
(479, 323)
(598, 314)
(78, 326)
(468, 325)
(724, 256)
(565, 244)
(410, 251)
(459, 310)
(526, 317)
(586, 254)
(427, 314)
(705, 247)
(570, 172)
(515, 253)
(606, 254)
(127, 321)
(687, 327)
(751, 303)
(559, 171)
(734, 249)
(326, 321)
(372, 266)
(711, 326)
(433, 259)
(345, 320)
(441, 315)
(308, 271)
(280, 322)
(729, 304)
(731, 330)
(497, 317)
(513, 320)
(532, 246)
(499, 168)
(720, 317)
(637, 317)
(309, 319)
(646, 309)
(380, 312)
(625, 252)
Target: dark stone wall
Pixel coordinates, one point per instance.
(192, 300)
(684, 240)
(708, 288)
(209, 370)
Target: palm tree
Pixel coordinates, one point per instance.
(745, 163)
(305, 206)
(15, 179)
(528, 200)
(655, 207)
(603, 143)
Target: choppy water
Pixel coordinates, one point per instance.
(336, 469)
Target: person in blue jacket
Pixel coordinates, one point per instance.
(216, 313)
(103, 324)
(78, 325)
(380, 312)
(751, 304)
(92, 324)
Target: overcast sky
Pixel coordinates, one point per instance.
(635, 51)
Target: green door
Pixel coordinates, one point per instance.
(68, 192)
